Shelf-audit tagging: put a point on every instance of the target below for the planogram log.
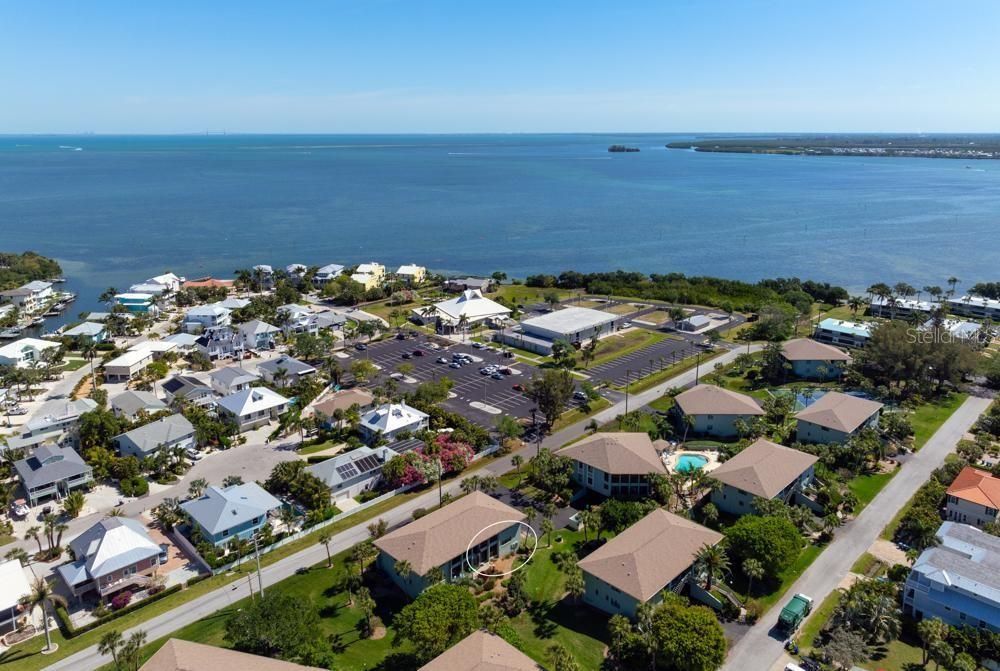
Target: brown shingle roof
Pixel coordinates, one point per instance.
(617, 453)
(764, 468)
(644, 558)
(343, 400)
(976, 486)
(445, 534)
(480, 651)
(178, 655)
(807, 349)
(841, 412)
(707, 399)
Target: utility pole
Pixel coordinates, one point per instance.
(260, 580)
(697, 366)
(250, 585)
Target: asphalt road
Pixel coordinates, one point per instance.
(169, 622)
(762, 647)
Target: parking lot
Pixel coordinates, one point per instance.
(470, 385)
(642, 362)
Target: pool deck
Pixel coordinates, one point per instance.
(670, 459)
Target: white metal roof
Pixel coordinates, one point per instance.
(13, 584)
(569, 320)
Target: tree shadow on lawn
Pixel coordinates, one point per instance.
(574, 616)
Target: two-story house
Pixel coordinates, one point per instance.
(26, 352)
(482, 651)
(52, 470)
(231, 379)
(391, 419)
(707, 410)
(168, 433)
(469, 532)
(129, 404)
(284, 371)
(204, 317)
(835, 418)
(957, 580)
(974, 497)
(110, 556)
(252, 407)
(636, 566)
(813, 360)
(762, 469)
(258, 335)
(239, 511)
(615, 464)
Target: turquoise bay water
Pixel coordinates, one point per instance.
(115, 210)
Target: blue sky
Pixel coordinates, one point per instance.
(369, 66)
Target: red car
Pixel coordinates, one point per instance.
(418, 352)
(518, 387)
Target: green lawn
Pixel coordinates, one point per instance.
(613, 347)
(553, 619)
(621, 309)
(576, 414)
(899, 655)
(817, 619)
(520, 294)
(27, 657)
(929, 417)
(790, 575)
(319, 447)
(867, 487)
(70, 365)
(320, 588)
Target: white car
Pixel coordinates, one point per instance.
(194, 455)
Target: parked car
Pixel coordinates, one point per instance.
(407, 355)
(496, 376)
(360, 346)
(193, 455)
(579, 395)
(518, 387)
(626, 325)
(478, 345)
(441, 359)
(506, 371)
(400, 336)
(418, 352)
(454, 364)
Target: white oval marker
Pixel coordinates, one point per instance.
(477, 572)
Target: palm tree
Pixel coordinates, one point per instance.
(753, 570)
(42, 596)
(110, 644)
(713, 562)
(855, 303)
(403, 569)
(952, 283)
(324, 539)
(463, 326)
(197, 488)
(130, 651)
(517, 461)
(34, 533)
(73, 504)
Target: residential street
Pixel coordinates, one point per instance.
(207, 604)
(759, 650)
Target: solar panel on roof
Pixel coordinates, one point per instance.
(368, 463)
(346, 471)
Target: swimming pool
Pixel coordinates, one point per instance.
(690, 462)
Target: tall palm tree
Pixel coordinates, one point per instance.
(42, 596)
(952, 283)
(324, 539)
(712, 561)
(110, 644)
(34, 533)
(753, 570)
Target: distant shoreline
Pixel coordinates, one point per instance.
(970, 147)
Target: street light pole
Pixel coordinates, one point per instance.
(697, 367)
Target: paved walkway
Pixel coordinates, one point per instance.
(762, 646)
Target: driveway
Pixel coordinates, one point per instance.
(762, 646)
